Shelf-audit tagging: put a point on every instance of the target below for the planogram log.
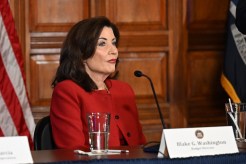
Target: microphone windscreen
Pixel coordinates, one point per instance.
(138, 73)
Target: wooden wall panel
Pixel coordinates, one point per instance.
(153, 65)
(207, 23)
(135, 11)
(140, 30)
(140, 15)
(43, 71)
(177, 62)
(206, 108)
(44, 59)
(206, 42)
(144, 41)
(204, 74)
(56, 15)
(199, 12)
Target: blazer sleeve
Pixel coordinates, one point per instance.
(65, 115)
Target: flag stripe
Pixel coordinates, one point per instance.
(15, 109)
(6, 122)
(1, 133)
(233, 9)
(13, 71)
(12, 114)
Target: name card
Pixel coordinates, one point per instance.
(201, 141)
(15, 150)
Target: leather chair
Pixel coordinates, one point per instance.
(43, 139)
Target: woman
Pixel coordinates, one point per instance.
(82, 85)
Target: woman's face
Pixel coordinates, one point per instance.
(104, 60)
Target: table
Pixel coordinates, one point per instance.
(43, 156)
(135, 156)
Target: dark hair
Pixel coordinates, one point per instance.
(79, 45)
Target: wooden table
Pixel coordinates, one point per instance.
(45, 156)
(135, 153)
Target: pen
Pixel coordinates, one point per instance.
(118, 151)
(109, 151)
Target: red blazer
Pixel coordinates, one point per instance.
(71, 103)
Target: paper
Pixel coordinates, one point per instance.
(15, 150)
(200, 141)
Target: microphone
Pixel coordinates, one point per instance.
(140, 74)
(152, 147)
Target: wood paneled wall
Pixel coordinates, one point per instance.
(206, 42)
(178, 43)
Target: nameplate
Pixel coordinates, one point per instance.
(15, 150)
(200, 141)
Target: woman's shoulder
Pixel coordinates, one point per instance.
(67, 85)
(117, 84)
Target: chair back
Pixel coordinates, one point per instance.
(43, 139)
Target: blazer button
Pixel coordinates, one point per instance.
(117, 117)
(128, 134)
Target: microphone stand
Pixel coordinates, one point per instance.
(152, 147)
(156, 101)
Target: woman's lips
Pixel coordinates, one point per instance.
(112, 60)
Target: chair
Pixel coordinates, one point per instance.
(43, 139)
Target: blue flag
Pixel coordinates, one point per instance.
(233, 79)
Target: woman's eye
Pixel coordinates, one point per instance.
(114, 43)
(101, 43)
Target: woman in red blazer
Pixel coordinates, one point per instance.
(83, 85)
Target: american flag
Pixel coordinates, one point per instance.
(16, 117)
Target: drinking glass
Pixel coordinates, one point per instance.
(236, 117)
(99, 126)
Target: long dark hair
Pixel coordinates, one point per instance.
(79, 45)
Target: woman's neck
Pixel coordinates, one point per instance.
(100, 82)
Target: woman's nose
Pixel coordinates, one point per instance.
(113, 50)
